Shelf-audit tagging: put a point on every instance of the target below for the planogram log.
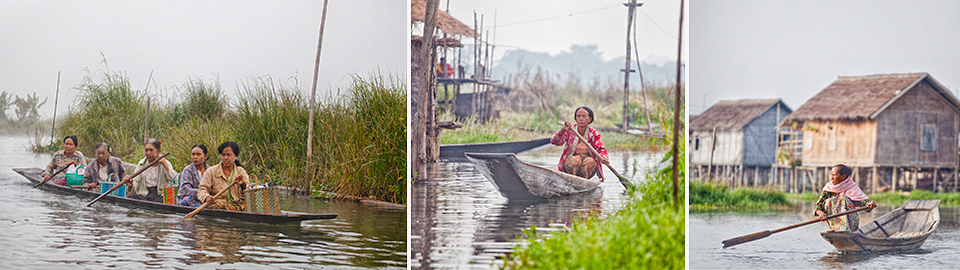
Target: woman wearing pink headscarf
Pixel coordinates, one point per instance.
(839, 195)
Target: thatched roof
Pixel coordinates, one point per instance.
(445, 22)
(732, 114)
(855, 98)
(440, 41)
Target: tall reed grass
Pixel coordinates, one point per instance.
(359, 138)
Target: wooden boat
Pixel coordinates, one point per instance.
(454, 152)
(517, 180)
(906, 228)
(34, 175)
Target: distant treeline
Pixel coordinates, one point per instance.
(25, 112)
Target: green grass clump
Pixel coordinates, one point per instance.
(952, 199)
(704, 196)
(648, 233)
(359, 145)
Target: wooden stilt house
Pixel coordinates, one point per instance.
(897, 131)
(735, 141)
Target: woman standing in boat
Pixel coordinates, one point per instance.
(63, 158)
(144, 186)
(218, 177)
(576, 158)
(191, 175)
(104, 168)
(839, 195)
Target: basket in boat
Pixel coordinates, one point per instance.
(169, 194)
(120, 192)
(263, 200)
(75, 178)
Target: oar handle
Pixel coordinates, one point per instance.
(858, 209)
(623, 180)
(763, 234)
(204, 205)
(51, 176)
(131, 177)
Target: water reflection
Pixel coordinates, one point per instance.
(460, 220)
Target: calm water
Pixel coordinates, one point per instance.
(459, 220)
(803, 247)
(50, 230)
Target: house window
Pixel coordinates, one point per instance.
(696, 144)
(928, 138)
(832, 139)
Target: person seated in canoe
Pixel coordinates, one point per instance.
(144, 186)
(839, 195)
(218, 177)
(576, 158)
(104, 168)
(191, 175)
(63, 158)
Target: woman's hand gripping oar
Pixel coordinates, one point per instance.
(194, 213)
(51, 176)
(623, 180)
(131, 177)
(760, 235)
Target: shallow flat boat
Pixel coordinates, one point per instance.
(904, 229)
(518, 180)
(34, 175)
(454, 152)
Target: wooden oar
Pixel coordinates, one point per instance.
(131, 178)
(51, 176)
(204, 205)
(760, 235)
(623, 180)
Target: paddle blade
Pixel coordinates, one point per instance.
(746, 238)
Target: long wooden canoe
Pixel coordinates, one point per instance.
(454, 152)
(34, 175)
(518, 180)
(904, 229)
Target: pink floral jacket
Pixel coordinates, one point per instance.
(568, 138)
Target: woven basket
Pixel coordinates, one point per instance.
(120, 192)
(169, 194)
(264, 200)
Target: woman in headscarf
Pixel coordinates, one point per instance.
(191, 175)
(144, 186)
(839, 195)
(577, 158)
(63, 158)
(104, 168)
(218, 177)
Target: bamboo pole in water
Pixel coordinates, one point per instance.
(56, 100)
(676, 112)
(313, 93)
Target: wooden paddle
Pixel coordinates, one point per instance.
(204, 205)
(623, 180)
(51, 176)
(131, 178)
(760, 235)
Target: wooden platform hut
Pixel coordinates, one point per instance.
(735, 140)
(897, 131)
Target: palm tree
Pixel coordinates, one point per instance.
(27, 108)
(6, 99)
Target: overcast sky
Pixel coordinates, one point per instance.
(602, 23)
(793, 49)
(232, 40)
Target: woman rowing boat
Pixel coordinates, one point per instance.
(191, 175)
(839, 195)
(63, 158)
(144, 186)
(218, 177)
(576, 158)
(104, 168)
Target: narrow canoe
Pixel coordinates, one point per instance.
(454, 152)
(33, 174)
(904, 229)
(517, 180)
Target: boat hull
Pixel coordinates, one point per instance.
(455, 152)
(33, 175)
(517, 180)
(903, 229)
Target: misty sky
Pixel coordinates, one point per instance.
(232, 40)
(793, 49)
(606, 27)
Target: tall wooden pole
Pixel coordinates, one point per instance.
(313, 102)
(420, 125)
(676, 111)
(56, 100)
(626, 70)
(643, 86)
